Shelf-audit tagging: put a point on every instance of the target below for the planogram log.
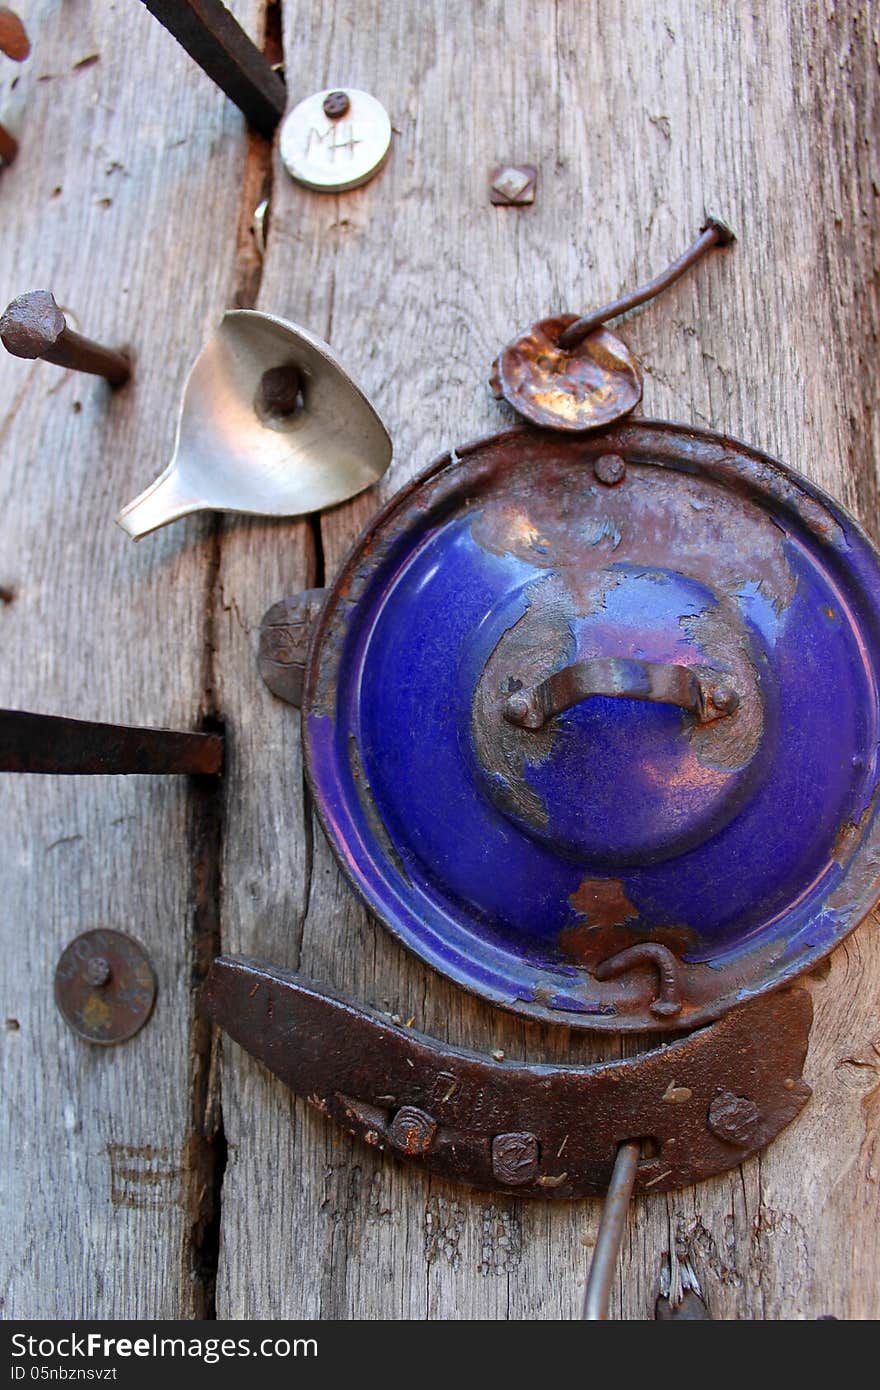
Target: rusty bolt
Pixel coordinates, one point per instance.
(336, 104)
(610, 469)
(412, 1130)
(515, 1157)
(33, 326)
(97, 971)
(725, 699)
(733, 1118)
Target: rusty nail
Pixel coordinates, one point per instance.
(8, 146)
(714, 232)
(610, 469)
(33, 326)
(97, 971)
(336, 104)
(725, 699)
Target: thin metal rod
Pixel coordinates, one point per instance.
(45, 743)
(604, 1263)
(715, 233)
(223, 51)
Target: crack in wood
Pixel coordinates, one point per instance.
(207, 1149)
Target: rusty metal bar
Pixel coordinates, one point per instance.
(46, 743)
(222, 49)
(715, 233)
(614, 1213)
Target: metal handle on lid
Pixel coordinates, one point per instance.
(623, 678)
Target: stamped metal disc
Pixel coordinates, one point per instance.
(104, 986)
(334, 155)
(652, 851)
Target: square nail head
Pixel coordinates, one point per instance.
(513, 185)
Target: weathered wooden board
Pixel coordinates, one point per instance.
(124, 201)
(640, 118)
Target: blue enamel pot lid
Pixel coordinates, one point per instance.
(604, 753)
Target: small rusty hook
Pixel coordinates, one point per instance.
(669, 1000)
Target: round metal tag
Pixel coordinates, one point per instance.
(332, 153)
(104, 986)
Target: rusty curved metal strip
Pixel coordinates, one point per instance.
(703, 1103)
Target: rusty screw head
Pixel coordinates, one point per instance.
(97, 971)
(725, 699)
(336, 104)
(610, 469)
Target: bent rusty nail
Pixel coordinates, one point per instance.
(669, 1001)
(714, 233)
(47, 743)
(223, 51)
(597, 1295)
(33, 326)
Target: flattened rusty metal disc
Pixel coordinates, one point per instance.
(104, 986)
(587, 388)
(626, 865)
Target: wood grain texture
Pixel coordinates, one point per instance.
(123, 201)
(640, 118)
